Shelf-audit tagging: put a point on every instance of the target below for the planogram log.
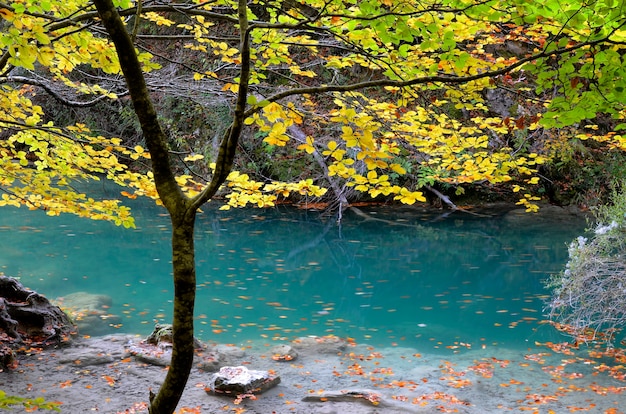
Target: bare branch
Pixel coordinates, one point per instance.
(445, 79)
(45, 86)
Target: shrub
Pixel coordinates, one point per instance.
(589, 297)
(29, 404)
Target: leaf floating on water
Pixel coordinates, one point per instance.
(275, 304)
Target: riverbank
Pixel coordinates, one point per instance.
(328, 376)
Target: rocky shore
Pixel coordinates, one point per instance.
(114, 374)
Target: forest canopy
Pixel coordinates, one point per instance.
(392, 99)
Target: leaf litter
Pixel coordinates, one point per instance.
(550, 377)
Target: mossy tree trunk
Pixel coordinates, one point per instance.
(182, 209)
(183, 259)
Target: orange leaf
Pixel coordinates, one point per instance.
(110, 380)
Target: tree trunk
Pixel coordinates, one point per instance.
(183, 258)
(182, 209)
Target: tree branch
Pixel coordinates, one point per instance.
(29, 81)
(445, 79)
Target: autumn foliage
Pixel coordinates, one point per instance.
(383, 99)
(375, 98)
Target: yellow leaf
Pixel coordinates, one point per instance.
(6, 14)
(409, 197)
(273, 112)
(308, 146)
(398, 169)
(194, 157)
(367, 140)
(45, 56)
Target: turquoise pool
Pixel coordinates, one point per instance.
(405, 276)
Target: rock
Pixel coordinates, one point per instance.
(229, 351)
(98, 351)
(90, 312)
(283, 353)
(365, 396)
(209, 361)
(321, 344)
(162, 335)
(28, 319)
(7, 358)
(214, 357)
(150, 354)
(241, 380)
(87, 301)
(156, 349)
(501, 101)
(370, 398)
(86, 357)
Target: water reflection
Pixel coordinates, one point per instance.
(392, 275)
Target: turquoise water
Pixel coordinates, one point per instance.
(406, 276)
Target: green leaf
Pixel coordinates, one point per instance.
(448, 42)
(46, 6)
(403, 50)
(19, 8)
(461, 59)
(124, 4)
